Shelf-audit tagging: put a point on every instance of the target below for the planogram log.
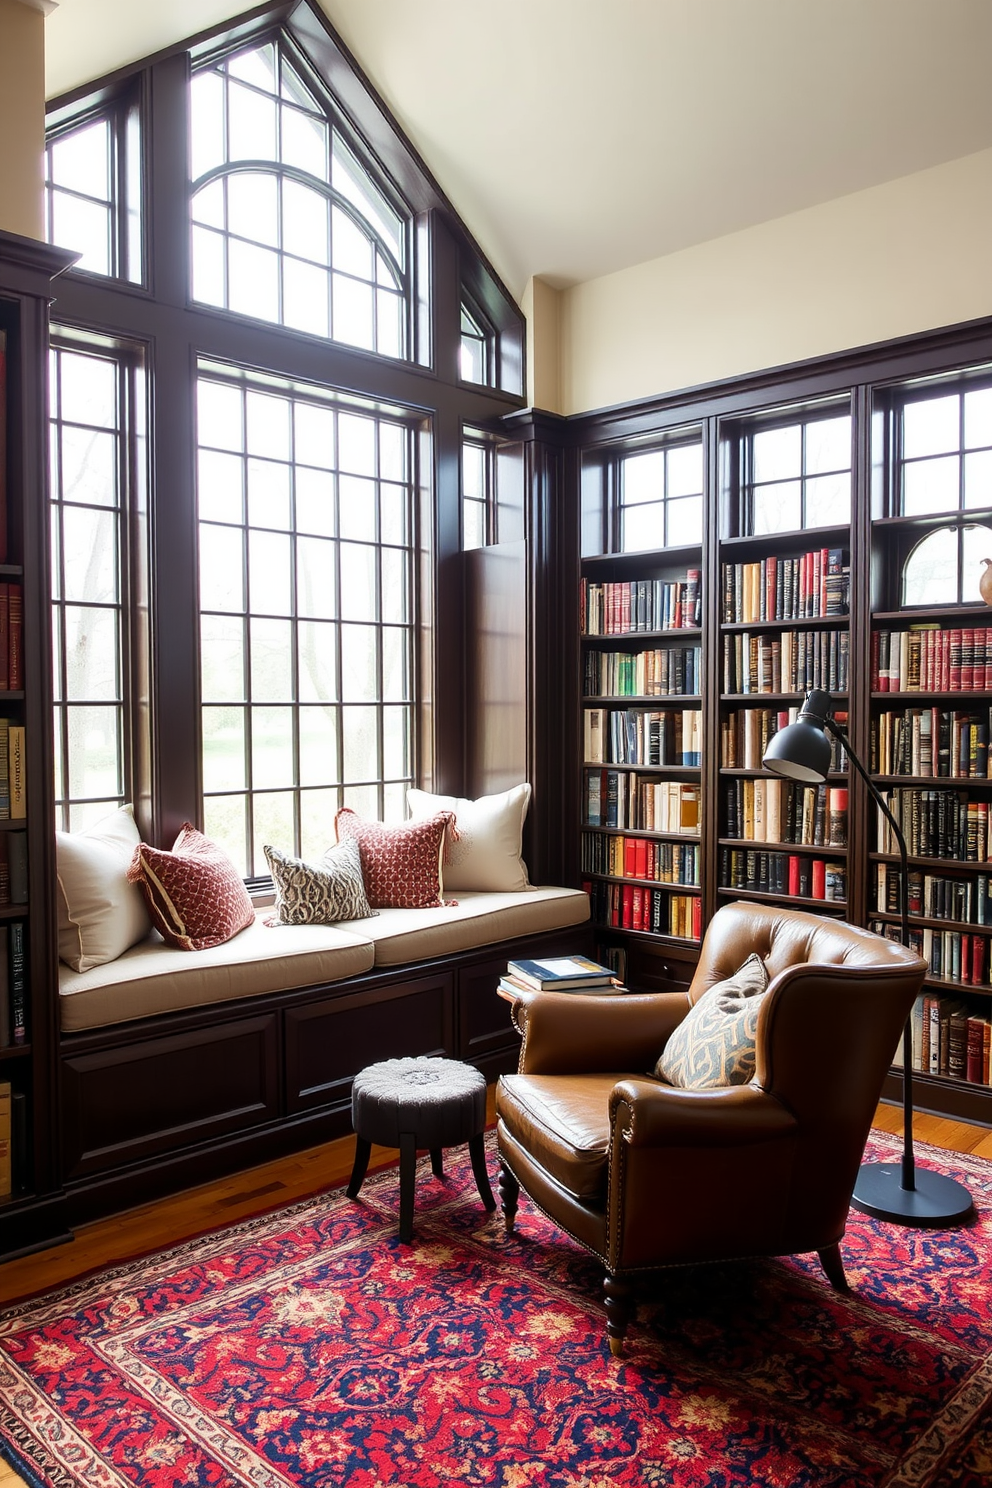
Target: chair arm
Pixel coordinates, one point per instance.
(644, 1113)
(566, 1033)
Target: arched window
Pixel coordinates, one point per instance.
(945, 566)
(287, 224)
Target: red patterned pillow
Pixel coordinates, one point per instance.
(195, 895)
(401, 865)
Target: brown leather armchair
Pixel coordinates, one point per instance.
(645, 1175)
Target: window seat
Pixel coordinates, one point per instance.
(152, 978)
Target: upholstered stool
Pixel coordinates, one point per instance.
(411, 1103)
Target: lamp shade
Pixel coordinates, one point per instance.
(800, 751)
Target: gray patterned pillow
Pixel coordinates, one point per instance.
(714, 1043)
(318, 893)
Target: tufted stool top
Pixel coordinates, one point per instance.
(442, 1102)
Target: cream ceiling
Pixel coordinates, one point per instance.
(578, 137)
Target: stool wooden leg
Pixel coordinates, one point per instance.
(408, 1170)
(437, 1162)
(477, 1150)
(509, 1192)
(363, 1150)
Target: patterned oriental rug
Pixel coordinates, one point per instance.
(308, 1347)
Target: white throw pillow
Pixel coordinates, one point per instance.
(100, 913)
(487, 854)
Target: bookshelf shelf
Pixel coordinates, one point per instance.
(798, 901)
(814, 849)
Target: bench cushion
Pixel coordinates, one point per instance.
(404, 935)
(154, 978)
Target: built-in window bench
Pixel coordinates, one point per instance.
(178, 1066)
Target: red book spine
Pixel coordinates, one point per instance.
(819, 879)
(15, 649)
(629, 854)
(945, 660)
(637, 907)
(697, 918)
(973, 1057)
(627, 908)
(641, 848)
(988, 659)
(793, 873)
(4, 637)
(875, 686)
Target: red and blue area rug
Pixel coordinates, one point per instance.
(308, 1347)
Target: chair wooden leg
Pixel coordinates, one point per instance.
(363, 1150)
(408, 1171)
(509, 1192)
(619, 1312)
(437, 1162)
(477, 1152)
(833, 1265)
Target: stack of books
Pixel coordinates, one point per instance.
(561, 974)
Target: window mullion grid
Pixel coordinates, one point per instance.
(294, 629)
(338, 638)
(249, 751)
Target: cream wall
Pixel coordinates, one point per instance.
(910, 255)
(22, 117)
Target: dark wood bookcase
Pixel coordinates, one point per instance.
(30, 1212)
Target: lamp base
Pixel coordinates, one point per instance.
(935, 1200)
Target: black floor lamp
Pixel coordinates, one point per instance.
(893, 1191)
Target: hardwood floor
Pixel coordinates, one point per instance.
(153, 1226)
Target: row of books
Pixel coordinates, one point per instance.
(666, 671)
(13, 985)
(13, 868)
(933, 742)
(11, 636)
(13, 782)
(801, 588)
(13, 1137)
(793, 874)
(952, 955)
(641, 857)
(949, 1038)
(936, 824)
(774, 810)
(625, 606)
(935, 896)
(640, 803)
(635, 736)
(746, 732)
(633, 907)
(790, 661)
(924, 658)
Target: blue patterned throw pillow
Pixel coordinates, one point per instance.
(714, 1043)
(318, 893)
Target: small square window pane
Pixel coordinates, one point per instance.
(89, 467)
(57, 691)
(393, 514)
(395, 664)
(644, 477)
(358, 573)
(56, 537)
(91, 655)
(253, 207)
(84, 227)
(271, 748)
(267, 421)
(304, 142)
(363, 800)
(319, 763)
(315, 502)
(316, 644)
(316, 594)
(472, 360)
(777, 453)
(394, 801)
(209, 267)
(392, 452)
(685, 470)
(643, 527)
(930, 574)
(395, 743)
(271, 661)
(222, 659)
(473, 525)
(90, 555)
(270, 585)
(81, 160)
(273, 822)
(777, 508)
(828, 500)
(828, 446)
(361, 744)
(306, 295)
(389, 323)
(314, 429)
(225, 821)
(88, 390)
(221, 568)
(978, 418)
(356, 444)
(206, 95)
(685, 521)
(251, 124)
(978, 480)
(352, 315)
(930, 486)
(218, 412)
(59, 783)
(357, 499)
(268, 494)
(253, 280)
(304, 222)
(395, 593)
(223, 748)
(931, 427)
(318, 808)
(95, 750)
(473, 472)
(352, 249)
(358, 665)
(219, 486)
